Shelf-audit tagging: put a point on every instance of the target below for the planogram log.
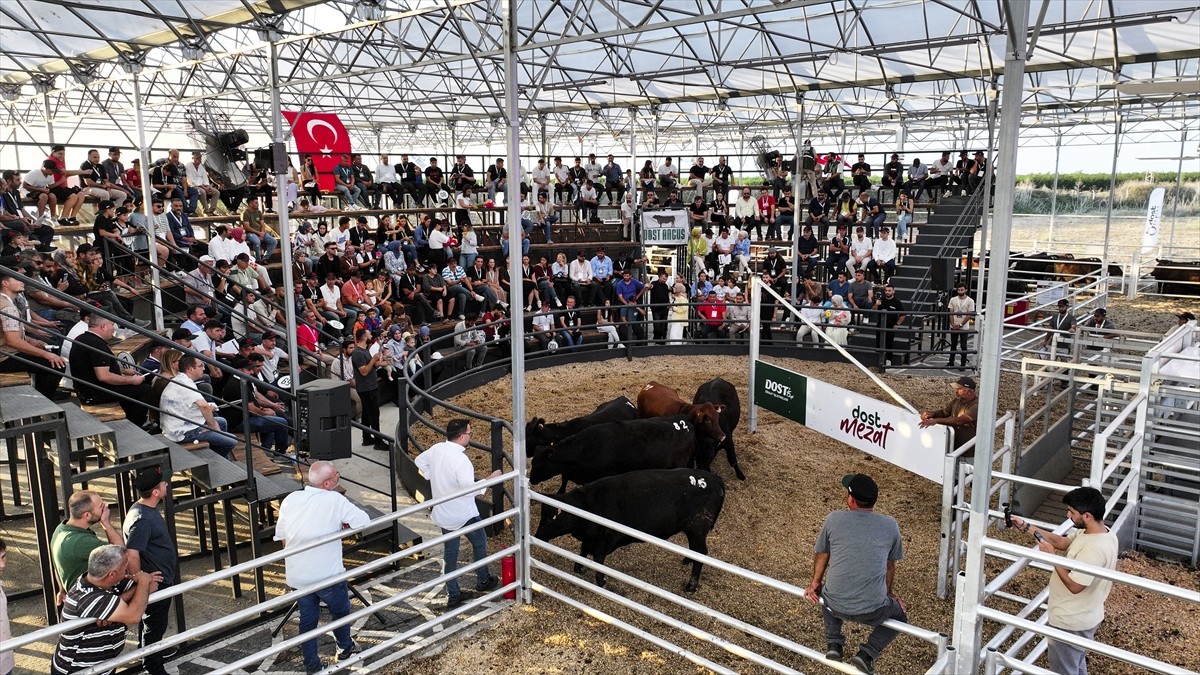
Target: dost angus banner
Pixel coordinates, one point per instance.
(888, 432)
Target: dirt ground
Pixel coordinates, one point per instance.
(768, 525)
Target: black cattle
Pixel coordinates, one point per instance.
(723, 395)
(659, 502)
(539, 432)
(1177, 277)
(616, 448)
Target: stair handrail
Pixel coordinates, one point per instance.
(971, 211)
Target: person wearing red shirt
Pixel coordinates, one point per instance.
(766, 208)
(712, 313)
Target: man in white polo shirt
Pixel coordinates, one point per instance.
(449, 471)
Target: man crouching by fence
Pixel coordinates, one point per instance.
(859, 549)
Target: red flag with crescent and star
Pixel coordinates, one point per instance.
(323, 136)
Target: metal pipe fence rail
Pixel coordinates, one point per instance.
(937, 639)
(956, 477)
(265, 609)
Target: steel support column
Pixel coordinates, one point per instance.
(967, 624)
(993, 101)
(633, 181)
(1112, 195)
(797, 134)
(285, 231)
(1178, 191)
(134, 69)
(1054, 190)
(512, 74)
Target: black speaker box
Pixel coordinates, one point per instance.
(323, 419)
(942, 271)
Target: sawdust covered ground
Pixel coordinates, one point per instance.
(768, 525)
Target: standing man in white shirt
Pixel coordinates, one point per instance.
(541, 178)
(304, 516)
(386, 183)
(197, 177)
(449, 471)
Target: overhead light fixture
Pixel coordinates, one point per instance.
(10, 91)
(193, 51)
(44, 83)
(85, 74)
(577, 84)
(369, 10)
(412, 128)
(1156, 87)
(497, 122)
(677, 72)
(595, 115)
(133, 62)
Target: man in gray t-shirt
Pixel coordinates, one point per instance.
(366, 383)
(856, 554)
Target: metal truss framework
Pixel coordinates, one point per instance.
(698, 72)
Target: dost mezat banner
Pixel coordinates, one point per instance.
(888, 432)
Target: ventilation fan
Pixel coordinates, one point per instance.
(764, 156)
(223, 156)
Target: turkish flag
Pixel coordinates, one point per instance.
(323, 136)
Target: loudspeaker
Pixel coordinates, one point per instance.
(323, 419)
(263, 158)
(232, 139)
(942, 271)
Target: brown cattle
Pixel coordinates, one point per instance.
(659, 400)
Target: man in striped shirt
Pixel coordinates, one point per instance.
(113, 593)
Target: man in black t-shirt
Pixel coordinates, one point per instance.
(410, 179)
(100, 377)
(893, 176)
(434, 179)
(660, 299)
(366, 383)
(860, 173)
(149, 542)
(893, 319)
(722, 175)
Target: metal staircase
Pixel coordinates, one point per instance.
(1169, 509)
(949, 231)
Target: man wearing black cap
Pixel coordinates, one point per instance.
(853, 571)
(1099, 326)
(959, 414)
(183, 337)
(151, 549)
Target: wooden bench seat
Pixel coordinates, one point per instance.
(15, 379)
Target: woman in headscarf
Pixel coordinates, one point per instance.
(838, 318)
(697, 248)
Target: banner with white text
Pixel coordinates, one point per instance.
(883, 430)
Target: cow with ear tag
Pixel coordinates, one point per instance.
(725, 397)
(539, 432)
(616, 448)
(658, 400)
(659, 502)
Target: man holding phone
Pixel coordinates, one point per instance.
(1076, 603)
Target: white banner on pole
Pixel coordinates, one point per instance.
(1153, 220)
(667, 227)
(888, 432)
